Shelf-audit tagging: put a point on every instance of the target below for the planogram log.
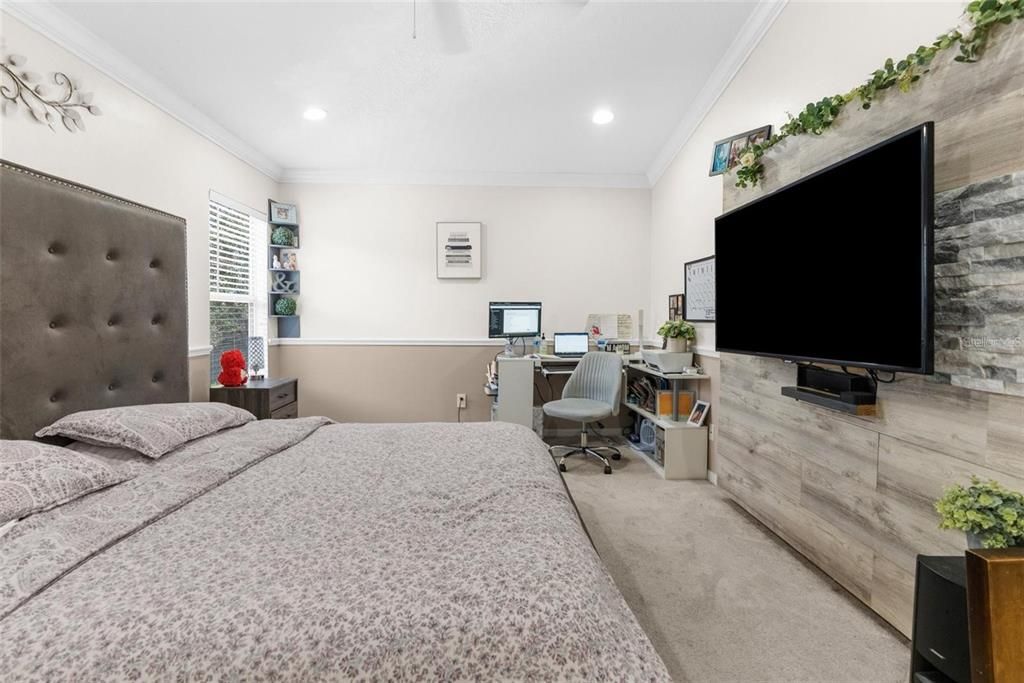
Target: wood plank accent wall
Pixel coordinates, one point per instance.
(855, 495)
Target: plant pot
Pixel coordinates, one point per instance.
(677, 344)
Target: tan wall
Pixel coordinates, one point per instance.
(199, 378)
(855, 495)
(410, 383)
(387, 383)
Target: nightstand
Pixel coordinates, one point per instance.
(265, 398)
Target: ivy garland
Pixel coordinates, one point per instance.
(981, 17)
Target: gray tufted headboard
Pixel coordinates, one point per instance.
(93, 302)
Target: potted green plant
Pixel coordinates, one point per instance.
(990, 514)
(677, 334)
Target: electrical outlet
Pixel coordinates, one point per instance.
(460, 401)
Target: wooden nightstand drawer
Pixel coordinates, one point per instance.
(282, 396)
(264, 398)
(286, 412)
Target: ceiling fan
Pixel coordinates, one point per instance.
(451, 22)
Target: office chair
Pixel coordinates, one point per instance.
(591, 393)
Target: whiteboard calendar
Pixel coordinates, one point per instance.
(700, 290)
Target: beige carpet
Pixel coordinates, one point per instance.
(721, 597)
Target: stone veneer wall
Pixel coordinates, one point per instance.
(979, 285)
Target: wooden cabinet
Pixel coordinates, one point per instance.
(266, 398)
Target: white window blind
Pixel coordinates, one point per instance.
(231, 266)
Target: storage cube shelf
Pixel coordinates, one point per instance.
(287, 325)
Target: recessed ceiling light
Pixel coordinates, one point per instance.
(314, 114)
(603, 116)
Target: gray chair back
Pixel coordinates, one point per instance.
(597, 377)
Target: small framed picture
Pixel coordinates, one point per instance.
(675, 306)
(720, 158)
(699, 413)
(283, 214)
(726, 153)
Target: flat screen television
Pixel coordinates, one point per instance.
(836, 267)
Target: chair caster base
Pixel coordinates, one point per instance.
(561, 467)
(607, 469)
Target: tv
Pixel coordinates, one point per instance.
(836, 267)
(510, 319)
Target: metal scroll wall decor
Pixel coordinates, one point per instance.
(61, 102)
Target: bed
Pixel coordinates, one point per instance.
(282, 549)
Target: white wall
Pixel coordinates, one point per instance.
(368, 257)
(133, 150)
(814, 49)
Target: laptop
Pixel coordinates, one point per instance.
(571, 344)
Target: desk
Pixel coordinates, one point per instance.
(681, 449)
(513, 396)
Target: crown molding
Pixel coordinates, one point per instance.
(467, 178)
(51, 22)
(750, 35)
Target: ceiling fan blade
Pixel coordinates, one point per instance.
(451, 27)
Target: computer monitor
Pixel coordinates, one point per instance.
(513, 319)
(571, 344)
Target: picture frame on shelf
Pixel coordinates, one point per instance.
(699, 413)
(283, 214)
(289, 260)
(725, 154)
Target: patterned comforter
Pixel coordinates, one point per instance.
(301, 550)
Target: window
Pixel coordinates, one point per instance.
(238, 279)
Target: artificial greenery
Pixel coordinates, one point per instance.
(980, 17)
(285, 306)
(283, 237)
(986, 509)
(677, 329)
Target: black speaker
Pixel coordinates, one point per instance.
(941, 650)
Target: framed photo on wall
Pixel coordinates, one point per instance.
(726, 153)
(459, 251)
(699, 301)
(675, 306)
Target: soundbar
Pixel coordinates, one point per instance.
(842, 391)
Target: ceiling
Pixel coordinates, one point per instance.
(488, 90)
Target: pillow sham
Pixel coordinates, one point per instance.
(152, 430)
(118, 457)
(35, 477)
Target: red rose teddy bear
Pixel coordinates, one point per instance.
(232, 372)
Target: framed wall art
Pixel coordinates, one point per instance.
(699, 302)
(459, 251)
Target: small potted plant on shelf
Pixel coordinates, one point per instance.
(677, 334)
(990, 514)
